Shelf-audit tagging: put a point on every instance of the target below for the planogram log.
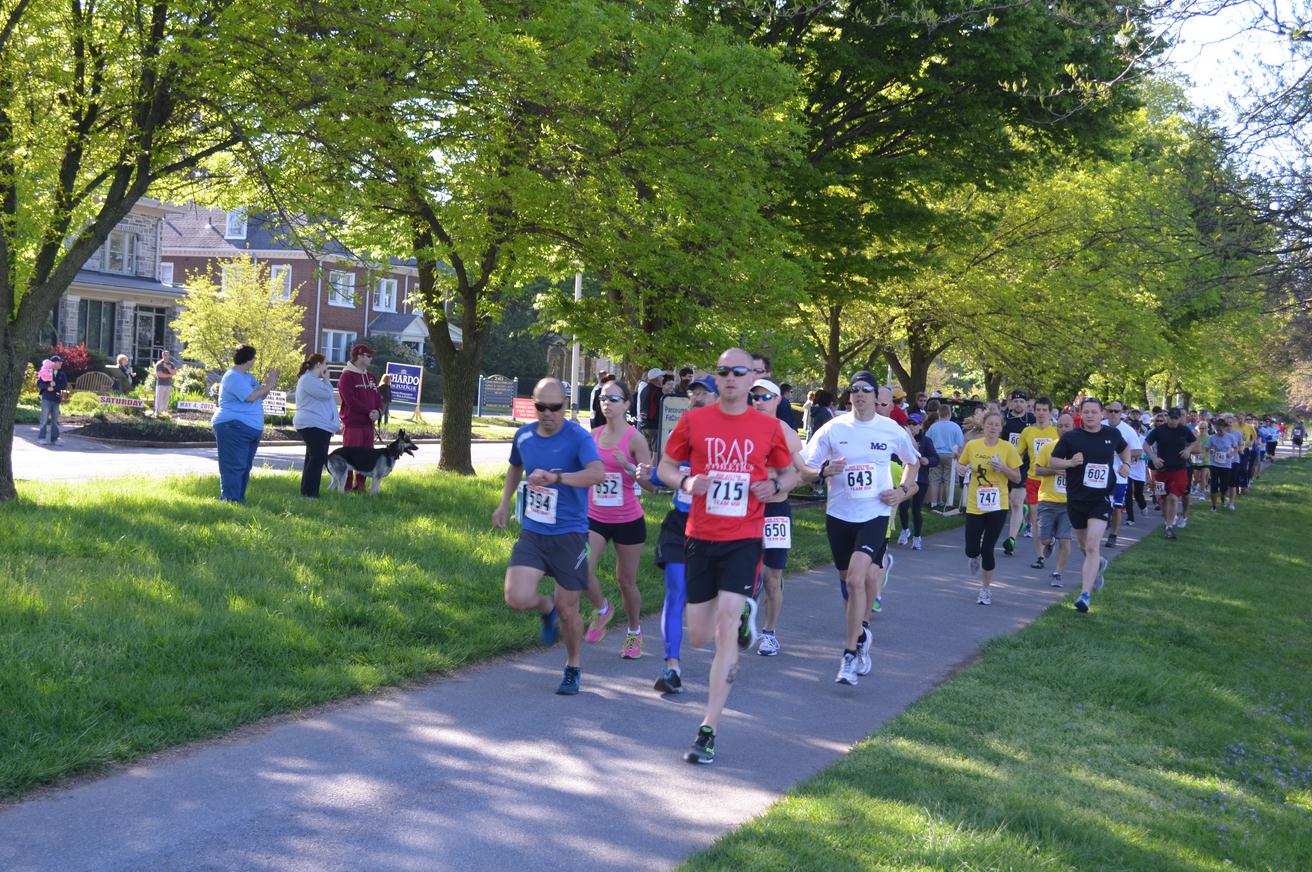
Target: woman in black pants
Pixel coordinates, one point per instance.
(316, 420)
(928, 458)
(992, 465)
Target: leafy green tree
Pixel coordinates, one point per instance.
(245, 309)
(98, 102)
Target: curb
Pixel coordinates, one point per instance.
(267, 443)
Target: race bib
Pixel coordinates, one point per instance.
(778, 532)
(728, 494)
(607, 491)
(1160, 487)
(860, 480)
(988, 499)
(540, 504)
(1059, 482)
(1095, 475)
(1220, 458)
(1038, 445)
(1014, 439)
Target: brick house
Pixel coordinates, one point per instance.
(344, 300)
(117, 303)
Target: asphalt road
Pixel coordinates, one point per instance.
(488, 769)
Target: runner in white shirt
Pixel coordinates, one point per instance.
(853, 452)
(1116, 418)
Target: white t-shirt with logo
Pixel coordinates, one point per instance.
(868, 448)
(1135, 441)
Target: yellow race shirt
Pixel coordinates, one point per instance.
(1052, 488)
(1250, 435)
(986, 488)
(1034, 437)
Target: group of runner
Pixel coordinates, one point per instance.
(732, 460)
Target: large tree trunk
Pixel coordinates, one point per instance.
(13, 364)
(992, 384)
(459, 392)
(833, 349)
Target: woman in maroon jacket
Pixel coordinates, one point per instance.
(361, 406)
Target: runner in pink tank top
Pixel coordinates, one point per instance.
(615, 515)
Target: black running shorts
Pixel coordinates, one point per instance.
(564, 556)
(625, 533)
(670, 542)
(730, 566)
(847, 537)
(1082, 512)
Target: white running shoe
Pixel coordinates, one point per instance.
(916, 544)
(903, 537)
(888, 568)
(984, 598)
(1182, 522)
(847, 670)
(863, 663)
(769, 646)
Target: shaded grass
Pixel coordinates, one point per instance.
(137, 614)
(1167, 729)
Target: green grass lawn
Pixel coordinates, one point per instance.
(139, 614)
(1167, 729)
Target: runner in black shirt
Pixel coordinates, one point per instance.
(1168, 448)
(1014, 422)
(1087, 454)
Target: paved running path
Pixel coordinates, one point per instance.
(490, 770)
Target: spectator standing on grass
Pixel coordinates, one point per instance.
(361, 406)
(51, 384)
(316, 420)
(164, 372)
(126, 381)
(385, 394)
(239, 422)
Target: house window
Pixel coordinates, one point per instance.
(121, 253)
(166, 274)
(337, 345)
(341, 289)
(280, 278)
(385, 295)
(236, 226)
(95, 325)
(230, 276)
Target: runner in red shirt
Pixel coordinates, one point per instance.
(737, 457)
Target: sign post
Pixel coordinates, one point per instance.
(275, 403)
(407, 385)
(672, 409)
(496, 394)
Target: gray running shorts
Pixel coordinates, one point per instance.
(563, 556)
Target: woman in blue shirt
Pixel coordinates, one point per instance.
(239, 422)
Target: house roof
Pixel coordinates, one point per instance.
(91, 278)
(399, 323)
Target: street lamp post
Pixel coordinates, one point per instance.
(574, 365)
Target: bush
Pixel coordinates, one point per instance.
(78, 359)
(82, 403)
(27, 393)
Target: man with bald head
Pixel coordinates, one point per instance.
(561, 463)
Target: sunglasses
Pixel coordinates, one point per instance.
(739, 371)
(548, 407)
(1115, 411)
(763, 397)
(611, 398)
(863, 389)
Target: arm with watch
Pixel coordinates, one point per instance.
(592, 474)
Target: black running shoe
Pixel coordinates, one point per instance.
(669, 682)
(1009, 546)
(703, 747)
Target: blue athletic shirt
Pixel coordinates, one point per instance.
(682, 499)
(569, 450)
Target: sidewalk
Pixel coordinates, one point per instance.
(489, 769)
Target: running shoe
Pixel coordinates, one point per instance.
(1129, 522)
(916, 544)
(863, 664)
(878, 605)
(1214, 508)
(1037, 564)
(703, 747)
(984, 598)
(903, 537)
(1169, 533)
(847, 670)
(550, 626)
(1082, 603)
(1009, 546)
(1054, 580)
(888, 569)
(974, 566)
(569, 685)
(1102, 567)
(747, 632)
(769, 645)
(597, 627)
(1029, 534)
(669, 682)
(632, 646)
(1232, 505)
(1182, 521)
(1111, 540)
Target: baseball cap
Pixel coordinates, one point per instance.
(768, 385)
(1174, 412)
(55, 358)
(706, 382)
(655, 372)
(899, 394)
(916, 418)
(360, 348)
(1019, 395)
(865, 375)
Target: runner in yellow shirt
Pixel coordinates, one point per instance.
(1032, 439)
(992, 465)
(1054, 525)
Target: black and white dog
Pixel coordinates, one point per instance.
(375, 463)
